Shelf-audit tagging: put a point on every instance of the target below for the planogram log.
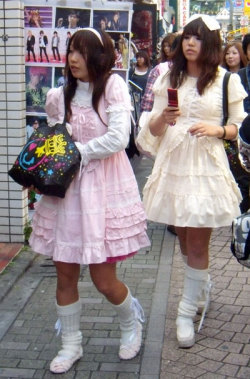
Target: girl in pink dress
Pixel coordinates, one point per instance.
(101, 220)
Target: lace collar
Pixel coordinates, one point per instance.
(83, 95)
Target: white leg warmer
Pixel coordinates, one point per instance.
(69, 323)
(130, 315)
(194, 282)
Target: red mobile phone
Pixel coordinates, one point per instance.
(172, 97)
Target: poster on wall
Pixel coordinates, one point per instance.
(144, 27)
(47, 31)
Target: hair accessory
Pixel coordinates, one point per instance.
(209, 21)
(98, 35)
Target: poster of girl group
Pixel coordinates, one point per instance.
(48, 29)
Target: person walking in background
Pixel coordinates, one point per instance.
(139, 75)
(244, 144)
(55, 46)
(160, 68)
(245, 71)
(43, 42)
(191, 185)
(233, 58)
(30, 45)
(101, 220)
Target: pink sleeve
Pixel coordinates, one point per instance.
(55, 105)
(116, 93)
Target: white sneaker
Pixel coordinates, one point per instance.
(185, 331)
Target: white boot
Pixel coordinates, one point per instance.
(130, 315)
(69, 324)
(194, 282)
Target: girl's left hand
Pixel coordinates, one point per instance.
(202, 129)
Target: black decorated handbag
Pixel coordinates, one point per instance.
(48, 161)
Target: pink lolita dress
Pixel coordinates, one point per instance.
(101, 218)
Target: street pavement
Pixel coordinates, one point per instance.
(28, 340)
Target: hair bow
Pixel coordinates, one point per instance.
(209, 21)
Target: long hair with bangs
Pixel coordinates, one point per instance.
(238, 46)
(209, 58)
(100, 60)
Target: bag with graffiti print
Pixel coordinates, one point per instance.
(48, 161)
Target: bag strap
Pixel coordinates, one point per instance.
(64, 119)
(225, 97)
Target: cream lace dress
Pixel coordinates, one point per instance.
(191, 183)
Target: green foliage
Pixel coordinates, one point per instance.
(27, 230)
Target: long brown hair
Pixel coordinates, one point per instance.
(238, 47)
(100, 59)
(209, 58)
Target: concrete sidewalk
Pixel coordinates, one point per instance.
(27, 336)
(155, 276)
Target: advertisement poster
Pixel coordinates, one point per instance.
(144, 27)
(48, 27)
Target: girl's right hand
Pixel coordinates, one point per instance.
(170, 115)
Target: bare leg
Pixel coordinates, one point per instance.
(67, 282)
(105, 279)
(128, 308)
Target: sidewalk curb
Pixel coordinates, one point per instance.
(151, 359)
(14, 271)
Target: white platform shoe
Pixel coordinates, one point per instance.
(196, 284)
(130, 315)
(69, 324)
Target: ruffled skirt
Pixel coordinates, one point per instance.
(191, 184)
(101, 218)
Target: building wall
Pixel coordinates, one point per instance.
(13, 200)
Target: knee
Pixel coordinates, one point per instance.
(105, 288)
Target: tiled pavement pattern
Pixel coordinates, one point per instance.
(27, 337)
(155, 276)
(222, 348)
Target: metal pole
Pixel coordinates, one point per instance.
(231, 14)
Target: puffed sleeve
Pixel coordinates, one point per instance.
(54, 106)
(146, 142)
(236, 95)
(118, 108)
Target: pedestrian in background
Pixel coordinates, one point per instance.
(191, 185)
(233, 60)
(245, 71)
(163, 65)
(101, 220)
(139, 74)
